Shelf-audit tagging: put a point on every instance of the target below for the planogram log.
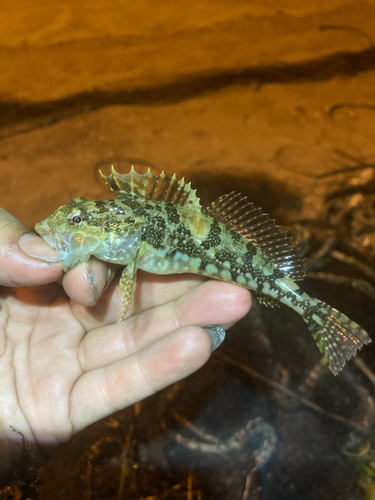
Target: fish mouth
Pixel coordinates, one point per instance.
(60, 243)
(43, 229)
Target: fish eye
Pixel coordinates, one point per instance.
(75, 219)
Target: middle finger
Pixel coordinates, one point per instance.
(212, 302)
(151, 290)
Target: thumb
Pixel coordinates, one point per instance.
(25, 259)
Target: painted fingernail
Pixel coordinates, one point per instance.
(35, 247)
(97, 277)
(217, 334)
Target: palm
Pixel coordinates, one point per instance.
(71, 365)
(43, 336)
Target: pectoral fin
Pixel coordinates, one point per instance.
(127, 287)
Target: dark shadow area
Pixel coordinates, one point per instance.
(19, 117)
(270, 194)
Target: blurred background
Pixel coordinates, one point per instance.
(272, 99)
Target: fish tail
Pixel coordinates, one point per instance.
(337, 337)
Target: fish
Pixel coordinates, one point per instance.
(157, 224)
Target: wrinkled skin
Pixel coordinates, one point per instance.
(64, 360)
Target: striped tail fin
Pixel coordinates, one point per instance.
(337, 337)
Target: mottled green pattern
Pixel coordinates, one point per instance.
(169, 237)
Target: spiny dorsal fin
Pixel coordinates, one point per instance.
(152, 187)
(251, 223)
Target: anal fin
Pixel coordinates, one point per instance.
(265, 300)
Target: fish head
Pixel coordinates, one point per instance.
(82, 228)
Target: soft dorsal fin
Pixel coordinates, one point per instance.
(251, 223)
(152, 187)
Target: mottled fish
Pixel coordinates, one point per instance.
(157, 224)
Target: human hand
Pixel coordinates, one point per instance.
(65, 362)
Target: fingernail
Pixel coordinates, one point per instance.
(217, 334)
(97, 277)
(34, 246)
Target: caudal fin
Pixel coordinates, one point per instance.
(337, 337)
